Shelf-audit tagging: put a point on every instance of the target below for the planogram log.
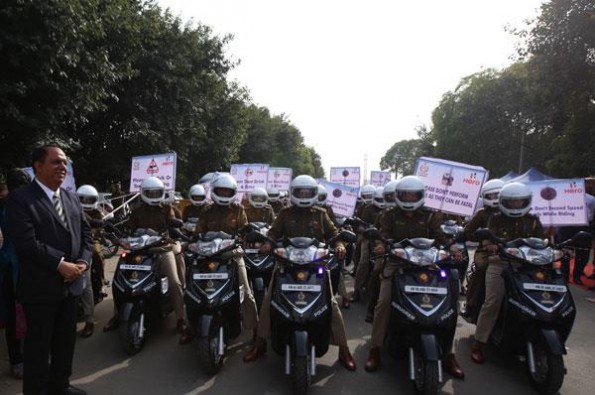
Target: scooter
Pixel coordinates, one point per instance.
(423, 320)
(538, 311)
(141, 291)
(301, 306)
(259, 266)
(213, 296)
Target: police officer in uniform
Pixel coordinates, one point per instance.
(490, 193)
(513, 221)
(407, 220)
(198, 202)
(89, 198)
(226, 215)
(304, 219)
(258, 209)
(275, 199)
(155, 214)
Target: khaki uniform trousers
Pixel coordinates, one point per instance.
(363, 266)
(168, 267)
(495, 291)
(338, 335)
(249, 310)
(180, 264)
(87, 299)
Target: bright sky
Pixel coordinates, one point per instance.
(355, 77)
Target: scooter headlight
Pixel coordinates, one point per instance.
(515, 252)
(399, 253)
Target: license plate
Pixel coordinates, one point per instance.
(425, 290)
(210, 276)
(545, 287)
(301, 287)
(251, 250)
(146, 268)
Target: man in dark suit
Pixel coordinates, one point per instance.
(54, 247)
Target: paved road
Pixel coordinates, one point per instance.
(164, 367)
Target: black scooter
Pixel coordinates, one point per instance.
(259, 266)
(425, 291)
(213, 296)
(301, 306)
(538, 312)
(141, 291)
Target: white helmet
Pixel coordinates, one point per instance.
(322, 195)
(490, 191)
(224, 189)
(367, 193)
(197, 195)
(409, 193)
(304, 191)
(88, 197)
(258, 198)
(152, 191)
(274, 194)
(389, 194)
(379, 197)
(515, 199)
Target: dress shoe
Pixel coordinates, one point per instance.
(70, 390)
(112, 324)
(373, 361)
(186, 334)
(452, 367)
(88, 329)
(346, 359)
(477, 352)
(258, 350)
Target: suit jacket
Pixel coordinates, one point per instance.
(41, 240)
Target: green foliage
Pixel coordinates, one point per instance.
(401, 157)
(112, 79)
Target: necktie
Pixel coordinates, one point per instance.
(59, 209)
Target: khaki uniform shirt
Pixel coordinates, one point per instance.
(264, 214)
(397, 224)
(277, 206)
(154, 217)
(508, 228)
(370, 213)
(216, 218)
(192, 211)
(303, 222)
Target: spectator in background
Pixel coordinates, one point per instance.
(9, 271)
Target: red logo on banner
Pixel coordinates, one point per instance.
(152, 169)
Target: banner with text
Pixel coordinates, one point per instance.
(280, 178)
(451, 187)
(379, 178)
(341, 197)
(250, 176)
(349, 176)
(162, 166)
(559, 202)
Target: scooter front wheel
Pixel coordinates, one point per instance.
(131, 336)
(300, 376)
(549, 371)
(208, 354)
(426, 375)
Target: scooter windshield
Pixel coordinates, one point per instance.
(208, 248)
(136, 243)
(305, 255)
(421, 257)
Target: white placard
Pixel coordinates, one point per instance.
(341, 198)
(301, 287)
(425, 290)
(545, 287)
(250, 176)
(349, 176)
(69, 184)
(379, 178)
(146, 268)
(451, 187)
(559, 202)
(210, 276)
(280, 178)
(162, 166)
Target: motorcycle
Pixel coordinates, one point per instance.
(213, 296)
(301, 306)
(140, 290)
(538, 311)
(425, 291)
(259, 267)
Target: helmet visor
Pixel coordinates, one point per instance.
(153, 193)
(516, 203)
(258, 198)
(379, 200)
(389, 197)
(304, 192)
(410, 196)
(224, 192)
(367, 196)
(198, 198)
(89, 200)
(491, 196)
